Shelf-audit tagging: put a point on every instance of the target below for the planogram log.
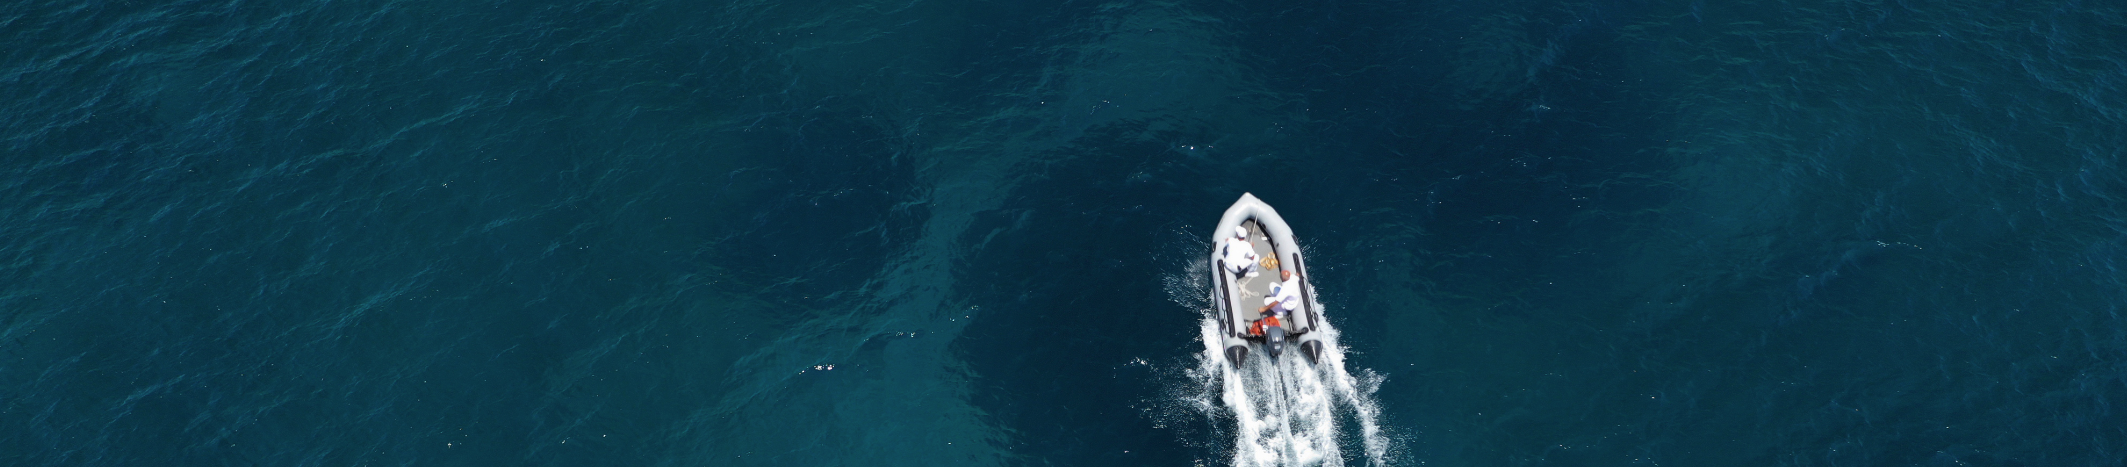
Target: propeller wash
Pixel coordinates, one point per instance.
(1287, 411)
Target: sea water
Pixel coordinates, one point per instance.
(1286, 411)
(944, 232)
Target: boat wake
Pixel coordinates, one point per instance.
(1285, 412)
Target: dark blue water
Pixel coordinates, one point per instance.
(950, 233)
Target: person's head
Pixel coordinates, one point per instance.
(1240, 233)
(1285, 274)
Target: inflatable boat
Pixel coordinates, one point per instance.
(1257, 304)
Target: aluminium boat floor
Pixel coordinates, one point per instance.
(1256, 285)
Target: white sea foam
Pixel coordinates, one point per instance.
(1284, 413)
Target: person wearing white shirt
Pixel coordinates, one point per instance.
(1284, 295)
(1240, 257)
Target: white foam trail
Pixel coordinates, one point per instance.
(1285, 413)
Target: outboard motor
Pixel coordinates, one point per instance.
(1274, 340)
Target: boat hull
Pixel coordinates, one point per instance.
(1238, 296)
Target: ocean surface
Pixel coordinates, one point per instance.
(933, 232)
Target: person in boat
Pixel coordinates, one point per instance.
(1284, 298)
(1239, 256)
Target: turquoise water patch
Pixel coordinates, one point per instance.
(963, 233)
